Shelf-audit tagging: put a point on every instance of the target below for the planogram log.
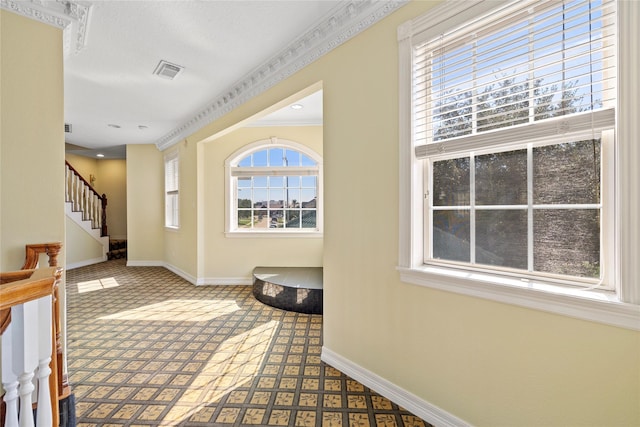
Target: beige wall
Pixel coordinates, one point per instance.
(31, 137)
(180, 251)
(488, 363)
(145, 204)
(86, 166)
(112, 181)
(226, 257)
(81, 247)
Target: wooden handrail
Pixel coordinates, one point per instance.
(32, 256)
(33, 251)
(38, 283)
(20, 287)
(81, 178)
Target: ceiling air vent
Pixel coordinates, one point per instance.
(67, 128)
(167, 70)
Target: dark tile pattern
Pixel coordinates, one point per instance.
(289, 288)
(301, 300)
(146, 348)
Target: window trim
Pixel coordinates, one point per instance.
(621, 308)
(172, 157)
(231, 230)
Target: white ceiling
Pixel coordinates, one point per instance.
(230, 51)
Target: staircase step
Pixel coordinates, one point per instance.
(117, 254)
(117, 244)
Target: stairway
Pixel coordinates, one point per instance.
(117, 249)
(87, 209)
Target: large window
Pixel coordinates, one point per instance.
(274, 187)
(171, 186)
(511, 174)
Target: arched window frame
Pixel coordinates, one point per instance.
(233, 170)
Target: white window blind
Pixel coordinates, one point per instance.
(500, 78)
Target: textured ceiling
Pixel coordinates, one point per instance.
(230, 51)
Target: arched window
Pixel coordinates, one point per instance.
(274, 186)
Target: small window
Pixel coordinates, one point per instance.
(274, 187)
(171, 186)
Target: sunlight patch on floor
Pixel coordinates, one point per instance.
(96, 285)
(235, 364)
(178, 310)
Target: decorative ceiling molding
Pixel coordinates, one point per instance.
(70, 16)
(341, 25)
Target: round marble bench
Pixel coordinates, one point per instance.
(289, 288)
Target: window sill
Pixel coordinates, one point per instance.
(592, 305)
(171, 228)
(274, 234)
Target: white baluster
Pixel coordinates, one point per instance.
(93, 210)
(96, 211)
(45, 319)
(81, 192)
(9, 379)
(87, 204)
(76, 193)
(94, 206)
(85, 201)
(25, 390)
(73, 192)
(90, 205)
(25, 355)
(71, 198)
(66, 183)
(99, 214)
(70, 185)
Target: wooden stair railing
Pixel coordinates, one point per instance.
(32, 256)
(29, 284)
(84, 198)
(28, 345)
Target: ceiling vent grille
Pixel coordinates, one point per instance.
(67, 128)
(167, 70)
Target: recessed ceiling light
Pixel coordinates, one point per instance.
(99, 155)
(111, 125)
(297, 107)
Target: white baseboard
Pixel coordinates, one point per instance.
(84, 263)
(172, 268)
(143, 263)
(226, 281)
(186, 276)
(423, 409)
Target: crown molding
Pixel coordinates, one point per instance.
(343, 23)
(70, 16)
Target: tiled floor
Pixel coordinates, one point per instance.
(146, 348)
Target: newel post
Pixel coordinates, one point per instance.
(104, 215)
